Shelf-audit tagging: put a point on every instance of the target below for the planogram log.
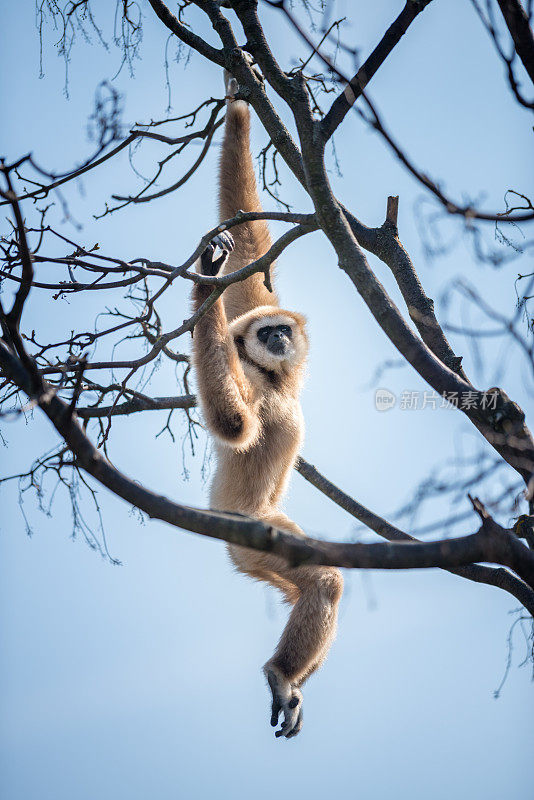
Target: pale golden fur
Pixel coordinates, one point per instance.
(250, 401)
(238, 192)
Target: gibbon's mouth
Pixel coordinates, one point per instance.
(279, 347)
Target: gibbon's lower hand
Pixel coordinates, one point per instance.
(288, 700)
(211, 266)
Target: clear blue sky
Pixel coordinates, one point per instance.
(144, 680)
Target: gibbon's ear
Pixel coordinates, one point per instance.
(209, 265)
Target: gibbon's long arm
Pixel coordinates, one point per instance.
(238, 192)
(226, 395)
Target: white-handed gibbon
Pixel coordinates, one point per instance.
(249, 357)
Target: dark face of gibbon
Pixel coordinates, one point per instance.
(276, 338)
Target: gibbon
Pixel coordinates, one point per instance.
(249, 357)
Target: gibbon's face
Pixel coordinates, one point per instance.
(276, 340)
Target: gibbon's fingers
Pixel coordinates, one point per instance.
(224, 240)
(218, 262)
(231, 84)
(211, 266)
(258, 74)
(207, 265)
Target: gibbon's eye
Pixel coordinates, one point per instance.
(263, 333)
(287, 330)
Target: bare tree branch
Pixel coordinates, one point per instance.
(354, 88)
(71, 394)
(492, 543)
(452, 207)
(501, 578)
(518, 24)
(137, 404)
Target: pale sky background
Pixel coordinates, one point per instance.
(144, 680)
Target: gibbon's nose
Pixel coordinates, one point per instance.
(278, 342)
(277, 339)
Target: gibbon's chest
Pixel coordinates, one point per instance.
(282, 430)
(282, 421)
(253, 480)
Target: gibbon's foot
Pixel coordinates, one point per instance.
(211, 266)
(286, 698)
(230, 83)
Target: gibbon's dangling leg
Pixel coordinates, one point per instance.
(307, 637)
(315, 593)
(238, 192)
(249, 357)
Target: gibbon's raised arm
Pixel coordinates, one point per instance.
(238, 192)
(226, 396)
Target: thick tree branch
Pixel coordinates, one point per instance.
(257, 44)
(491, 544)
(13, 316)
(233, 59)
(517, 449)
(518, 24)
(185, 34)
(420, 307)
(432, 357)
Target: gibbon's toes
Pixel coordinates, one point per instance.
(288, 700)
(292, 716)
(276, 705)
(297, 727)
(275, 713)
